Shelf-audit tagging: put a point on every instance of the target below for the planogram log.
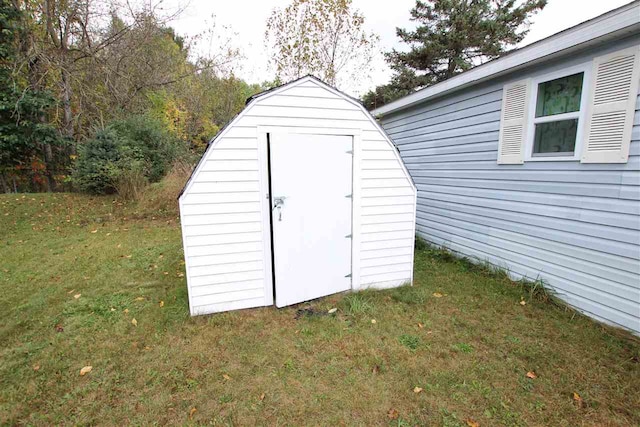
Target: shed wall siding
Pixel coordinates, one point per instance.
(577, 226)
(223, 206)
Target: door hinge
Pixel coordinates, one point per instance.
(349, 152)
(348, 196)
(348, 236)
(348, 275)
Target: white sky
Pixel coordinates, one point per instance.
(247, 19)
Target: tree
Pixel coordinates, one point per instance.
(24, 133)
(321, 37)
(453, 36)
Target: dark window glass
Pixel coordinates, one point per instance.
(555, 137)
(559, 96)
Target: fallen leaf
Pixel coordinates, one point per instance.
(94, 231)
(108, 234)
(333, 310)
(420, 325)
(437, 295)
(192, 411)
(472, 423)
(134, 322)
(113, 309)
(577, 399)
(376, 369)
(76, 296)
(262, 396)
(523, 302)
(417, 389)
(373, 321)
(226, 377)
(393, 414)
(140, 299)
(180, 274)
(166, 273)
(532, 375)
(59, 328)
(161, 303)
(36, 367)
(84, 371)
(71, 291)
(126, 310)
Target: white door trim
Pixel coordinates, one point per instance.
(356, 134)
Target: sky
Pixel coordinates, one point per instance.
(246, 24)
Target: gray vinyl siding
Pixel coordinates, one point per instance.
(576, 226)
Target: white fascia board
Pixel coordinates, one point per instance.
(614, 23)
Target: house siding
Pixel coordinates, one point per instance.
(223, 208)
(576, 226)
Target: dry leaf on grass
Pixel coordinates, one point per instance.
(420, 325)
(417, 389)
(577, 400)
(76, 296)
(36, 367)
(393, 414)
(523, 302)
(140, 299)
(532, 375)
(374, 321)
(471, 423)
(134, 322)
(94, 231)
(226, 377)
(192, 411)
(333, 310)
(161, 303)
(125, 311)
(84, 371)
(262, 396)
(376, 369)
(437, 295)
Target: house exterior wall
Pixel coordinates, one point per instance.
(576, 226)
(224, 208)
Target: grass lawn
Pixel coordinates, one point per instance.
(76, 271)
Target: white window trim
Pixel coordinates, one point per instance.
(580, 115)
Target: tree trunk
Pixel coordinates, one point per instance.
(48, 160)
(67, 121)
(5, 185)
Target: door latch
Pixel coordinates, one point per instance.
(278, 202)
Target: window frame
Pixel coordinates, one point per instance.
(580, 115)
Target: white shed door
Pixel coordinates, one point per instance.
(311, 184)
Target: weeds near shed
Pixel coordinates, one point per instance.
(357, 304)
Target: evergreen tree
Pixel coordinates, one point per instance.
(453, 36)
(22, 132)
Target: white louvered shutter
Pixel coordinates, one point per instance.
(513, 122)
(611, 107)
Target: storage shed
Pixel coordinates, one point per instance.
(302, 195)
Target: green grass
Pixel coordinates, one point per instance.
(469, 350)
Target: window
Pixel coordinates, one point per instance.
(556, 111)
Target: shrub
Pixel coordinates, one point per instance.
(125, 156)
(97, 160)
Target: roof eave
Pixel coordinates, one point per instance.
(613, 24)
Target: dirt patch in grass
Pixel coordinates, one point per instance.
(459, 336)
